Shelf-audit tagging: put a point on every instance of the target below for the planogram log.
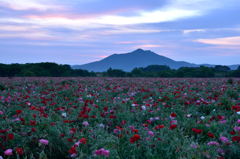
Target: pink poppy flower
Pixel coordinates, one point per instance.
(102, 152)
(85, 123)
(215, 143)
(8, 152)
(224, 139)
(238, 121)
(43, 141)
(150, 133)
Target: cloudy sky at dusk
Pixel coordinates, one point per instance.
(82, 31)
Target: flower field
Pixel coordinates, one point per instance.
(119, 118)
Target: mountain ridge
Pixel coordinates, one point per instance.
(136, 58)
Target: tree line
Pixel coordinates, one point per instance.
(56, 70)
(41, 70)
(165, 71)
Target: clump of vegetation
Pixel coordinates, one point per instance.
(230, 81)
(56, 70)
(2, 87)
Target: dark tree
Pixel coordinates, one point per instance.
(220, 68)
(115, 73)
(137, 72)
(156, 68)
(41, 70)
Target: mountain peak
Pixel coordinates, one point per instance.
(141, 51)
(129, 61)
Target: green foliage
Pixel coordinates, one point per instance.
(137, 72)
(201, 71)
(156, 68)
(230, 81)
(232, 94)
(115, 73)
(54, 70)
(2, 87)
(41, 70)
(46, 100)
(220, 68)
(235, 73)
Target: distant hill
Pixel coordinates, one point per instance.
(137, 58)
(232, 67)
(128, 61)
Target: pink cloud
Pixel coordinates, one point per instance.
(226, 41)
(148, 46)
(15, 28)
(193, 31)
(128, 30)
(58, 16)
(133, 42)
(29, 5)
(77, 16)
(103, 56)
(38, 35)
(126, 42)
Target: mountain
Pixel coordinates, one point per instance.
(129, 61)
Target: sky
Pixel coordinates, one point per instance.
(82, 31)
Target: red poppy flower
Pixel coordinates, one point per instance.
(33, 123)
(112, 117)
(70, 140)
(236, 138)
(18, 112)
(211, 135)
(34, 115)
(72, 150)
(10, 136)
(173, 115)
(73, 130)
(159, 127)
(34, 129)
(233, 132)
(134, 138)
(197, 131)
(105, 109)
(236, 108)
(3, 131)
(220, 117)
(145, 125)
(135, 130)
(19, 151)
(123, 122)
(173, 126)
(83, 140)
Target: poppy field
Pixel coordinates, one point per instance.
(119, 118)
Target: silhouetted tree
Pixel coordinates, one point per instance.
(221, 68)
(115, 73)
(137, 72)
(54, 70)
(156, 68)
(221, 71)
(41, 69)
(235, 73)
